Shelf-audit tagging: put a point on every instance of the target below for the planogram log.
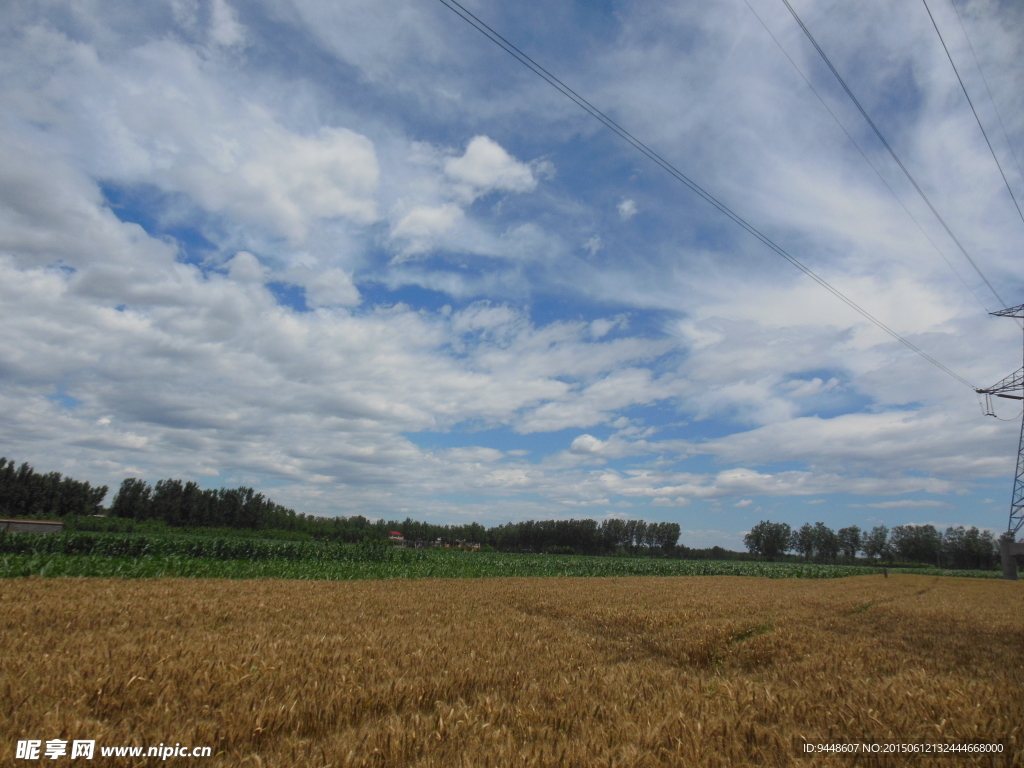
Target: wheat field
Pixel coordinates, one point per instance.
(719, 671)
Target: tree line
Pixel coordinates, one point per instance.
(175, 503)
(957, 547)
(583, 537)
(27, 493)
(186, 504)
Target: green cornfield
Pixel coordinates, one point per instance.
(440, 565)
(156, 556)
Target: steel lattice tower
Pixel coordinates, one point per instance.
(1012, 383)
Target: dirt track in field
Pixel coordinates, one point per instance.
(713, 671)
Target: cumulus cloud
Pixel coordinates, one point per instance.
(331, 288)
(627, 209)
(431, 210)
(246, 268)
(487, 167)
(586, 444)
(423, 225)
(292, 178)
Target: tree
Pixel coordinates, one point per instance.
(613, 534)
(132, 500)
(803, 540)
(849, 541)
(667, 536)
(968, 549)
(768, 539)
(876, 543)
(635, 530)
(23, 491)
(826, 543)
(916, 543)
(166, 502)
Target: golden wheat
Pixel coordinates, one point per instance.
(513, 672)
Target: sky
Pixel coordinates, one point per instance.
(352, 254)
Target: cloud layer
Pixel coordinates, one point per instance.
(356, 258)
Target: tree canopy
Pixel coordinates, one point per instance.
(768, 539)
(25, 492)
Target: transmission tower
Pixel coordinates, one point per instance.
(1012, 383)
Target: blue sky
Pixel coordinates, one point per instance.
(354, 255)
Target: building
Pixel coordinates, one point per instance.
(396, 537)
(31, 526)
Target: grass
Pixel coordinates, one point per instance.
(568, 672)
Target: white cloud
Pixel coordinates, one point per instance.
(424, 224)
(664, 501)
(224, 27)
(627, 209)
(155, 116)
(904, 503)
(293, 178)
(743, 503)
(592, 404)
(487, 167)
(500, 321)
(475, 455)
(586, 444)
(889, 442)
(602, 326)
(246, 268)
(430, 210)
(331, 288)
(816, 386)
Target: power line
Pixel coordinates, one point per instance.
(988, 90)
(892, 152)
(566, 91)
(968, 96)
(866, 158)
